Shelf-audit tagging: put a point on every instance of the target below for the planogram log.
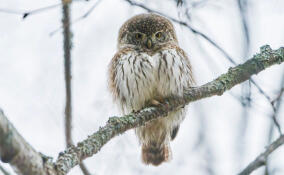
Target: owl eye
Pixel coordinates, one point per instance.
(159, 35)
(138, 36)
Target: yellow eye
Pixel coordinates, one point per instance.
(138, 36)
(158, 35)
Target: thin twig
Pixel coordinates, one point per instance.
(78, 19)
(27, 13)
(262, 158)
(67, 69)
(242, 4)
(277, 105)
(246, 87)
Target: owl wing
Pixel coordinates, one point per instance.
(131, 79)
(113, 72)
(174, 72)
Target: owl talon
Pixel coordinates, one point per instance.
(155, 102)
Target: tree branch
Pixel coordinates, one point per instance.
(261, 159)
(17, 152)
(67, 35)
(118, 125)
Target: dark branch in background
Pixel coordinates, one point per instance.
(25, 14)
(5, 172)
(262, 158)
(203, 143)
(193, 30)
(242, 4)
(277, 106)
(246, 99)
(67, 69)
(118, 125)
(67, 73)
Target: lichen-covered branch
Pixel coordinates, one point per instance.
(118, 125)
(17, 152)
(261, 159)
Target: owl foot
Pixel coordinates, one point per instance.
(155, 102)
(158, 103)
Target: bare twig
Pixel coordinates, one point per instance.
(242, 4)
(78, 19)
(277, 105)
(246, 87)
(67, 68)
(262, 158)
(25, 14)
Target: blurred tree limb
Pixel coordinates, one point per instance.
(24, 159)
(262, 158)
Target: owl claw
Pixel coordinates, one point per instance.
(158, 103)
(155, 102)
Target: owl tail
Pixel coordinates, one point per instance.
(155, 154)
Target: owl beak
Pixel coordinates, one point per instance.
(149, 43)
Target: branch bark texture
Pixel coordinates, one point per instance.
(15, 150)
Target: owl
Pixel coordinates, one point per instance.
(148, 67)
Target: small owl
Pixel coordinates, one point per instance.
(148, 67)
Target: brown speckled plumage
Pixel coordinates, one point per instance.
(148, 67)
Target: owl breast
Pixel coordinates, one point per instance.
(139, 77)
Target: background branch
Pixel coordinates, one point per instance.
(261, 159)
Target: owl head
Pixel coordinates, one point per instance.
(146, 32)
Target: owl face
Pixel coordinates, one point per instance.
(146, 32)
